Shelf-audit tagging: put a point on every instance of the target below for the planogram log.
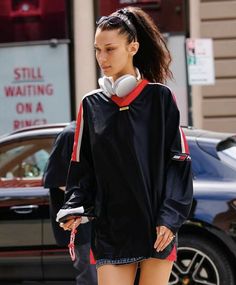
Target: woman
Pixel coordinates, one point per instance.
(130, 166)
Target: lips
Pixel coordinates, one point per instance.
(105, 67)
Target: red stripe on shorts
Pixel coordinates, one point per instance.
(92, 259)
(173, 255)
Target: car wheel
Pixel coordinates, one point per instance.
(200, 261)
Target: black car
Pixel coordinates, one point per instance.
(207, 241)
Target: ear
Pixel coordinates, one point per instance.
(133, 48)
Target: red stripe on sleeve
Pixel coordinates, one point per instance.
(78, 134)
(184, 140)
(174, 98)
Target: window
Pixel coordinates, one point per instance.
(226, 150)
(207, 166)
(24, 160)
(33, 20)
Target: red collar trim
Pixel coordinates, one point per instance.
(129, 98)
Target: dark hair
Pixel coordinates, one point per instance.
(153, 57)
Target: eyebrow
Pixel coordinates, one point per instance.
(107, 44)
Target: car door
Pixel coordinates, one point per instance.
(22, 207)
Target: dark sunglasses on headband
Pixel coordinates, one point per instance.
(118, 20)
(111, 20)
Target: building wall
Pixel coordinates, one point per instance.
(84, 56)
(218, 102)
(213, 107)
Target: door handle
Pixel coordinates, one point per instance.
(24, 209)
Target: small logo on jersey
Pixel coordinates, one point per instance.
(181, 157)
(124, 108)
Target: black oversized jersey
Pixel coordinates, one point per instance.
(131, 165)
(54, 177)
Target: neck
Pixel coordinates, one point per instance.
(135, 72)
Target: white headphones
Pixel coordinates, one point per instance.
(121, 87)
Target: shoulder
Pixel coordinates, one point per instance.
(160, 87)
(92, 94)
(65, 136)
(93, 99)
(70, 128)
(163, 91)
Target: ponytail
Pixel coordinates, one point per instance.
(153, 57)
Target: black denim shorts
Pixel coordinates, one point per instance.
(119, 261)
(169, 253)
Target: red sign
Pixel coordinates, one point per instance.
(31, 20)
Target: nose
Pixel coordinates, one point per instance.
(101, 58)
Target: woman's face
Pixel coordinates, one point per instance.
(113, 53)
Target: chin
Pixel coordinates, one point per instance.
(107, 73)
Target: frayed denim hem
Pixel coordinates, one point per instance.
(118, 261)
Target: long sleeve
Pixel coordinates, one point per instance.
(80, 185)
(178, 192)
(55, 173)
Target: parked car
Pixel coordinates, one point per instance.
(207, 241)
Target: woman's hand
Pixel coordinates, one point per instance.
(164, 237)
(71, 224)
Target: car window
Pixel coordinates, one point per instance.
(24, 159)
(226, 150)
(207, 166)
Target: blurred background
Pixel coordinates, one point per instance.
(47, 65)
(47, 61)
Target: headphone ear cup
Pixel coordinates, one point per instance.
(124, 85)
(121, 87)
(106, 85)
